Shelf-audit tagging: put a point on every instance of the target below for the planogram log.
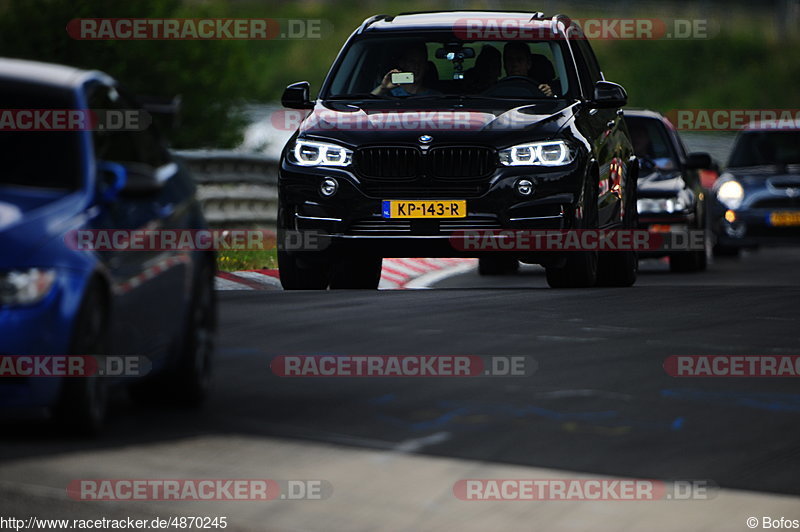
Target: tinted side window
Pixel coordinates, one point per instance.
(589, 70)
(116, 146)
(124, 146)
(591, 61)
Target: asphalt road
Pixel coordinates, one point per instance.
(599, 402)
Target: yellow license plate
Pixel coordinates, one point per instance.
(425, 209)
(784, 218)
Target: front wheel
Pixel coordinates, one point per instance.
(363, 273)
(297, 274)
(726, 251)
(689, 261)
(187, 383)
(83, 403)
(618, 268)
(194, 366)
(579, 268)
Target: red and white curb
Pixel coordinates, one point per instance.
(402, 274)
(397, 274)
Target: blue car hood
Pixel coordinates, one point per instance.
(33, 223)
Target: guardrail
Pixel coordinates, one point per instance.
(234, 188)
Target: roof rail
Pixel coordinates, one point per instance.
(562, 19)
(371, 20)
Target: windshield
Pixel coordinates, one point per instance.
(41, 159)
(758, 148)
(651, 143)
(438, 65)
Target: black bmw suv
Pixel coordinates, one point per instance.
(432, 124)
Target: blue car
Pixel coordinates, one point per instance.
(757, 198)
(58, 298)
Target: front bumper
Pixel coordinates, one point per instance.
(660, 223)
(353, 219)
(38, 330)
(753, 227)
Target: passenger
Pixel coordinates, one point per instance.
(414, 59)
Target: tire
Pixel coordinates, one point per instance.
(688, 262)
(579, 269)
(726, 251)
(621, 268)
(297, 275)
(361, 273)
(82, 405)
(187, 384)
(617, 268)
(193, 373)
(498, 265)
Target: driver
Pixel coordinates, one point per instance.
(414, 59)
(518, 61)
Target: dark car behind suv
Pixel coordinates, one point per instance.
(671, 197)
(429, 124)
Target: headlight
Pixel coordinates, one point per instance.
(731, 194)
(25, 287)
(310, 153)
(660, 205)
(550, 153)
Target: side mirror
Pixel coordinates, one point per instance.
(699, 161)
(111, 178)
(142, 179)
(296, 96)
(608, 95)
(127, 179)
(166, 109)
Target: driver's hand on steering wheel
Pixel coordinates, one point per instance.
(546, 89)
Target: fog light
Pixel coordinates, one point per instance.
(524, 187)
(735, 230)
(328, 187)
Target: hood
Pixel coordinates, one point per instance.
(357, 123)
(660, 184)
(32, 218)
(769, 176)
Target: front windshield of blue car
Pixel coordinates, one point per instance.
(757, 148)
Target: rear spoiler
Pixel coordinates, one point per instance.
(168, 107)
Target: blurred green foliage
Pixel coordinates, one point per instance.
(740, 67)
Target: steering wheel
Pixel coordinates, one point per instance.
(523, 82)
